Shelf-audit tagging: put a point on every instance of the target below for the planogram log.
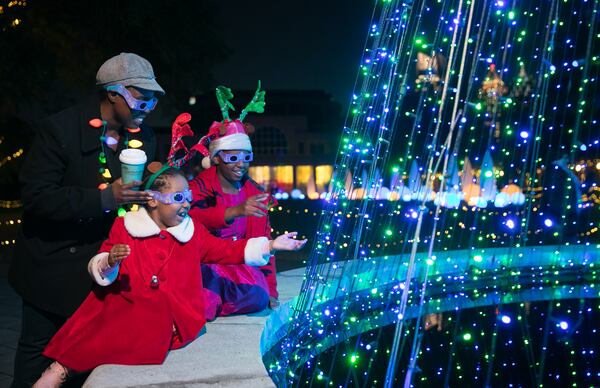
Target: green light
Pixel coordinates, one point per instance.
(121, 212)
(488, 174)
(478, 258)
(467, 337)
(354, 359)
(374, 291)
(511, 15)
(388, 232)
(478, 106)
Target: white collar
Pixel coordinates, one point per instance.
(139, 224)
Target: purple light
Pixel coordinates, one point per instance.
(510, 223)
(548, 222)
(505, 319)
(563, 325)
(524, 134)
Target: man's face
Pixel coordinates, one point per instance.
(128, 117)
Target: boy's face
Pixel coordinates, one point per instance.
(233, 171)
(172, 214)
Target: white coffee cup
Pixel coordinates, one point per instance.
(133, 162)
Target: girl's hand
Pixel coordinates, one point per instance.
(286, 242)
(251, 207)
(117, 253)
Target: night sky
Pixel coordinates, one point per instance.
(294, 45)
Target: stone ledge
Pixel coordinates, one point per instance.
(227, 354)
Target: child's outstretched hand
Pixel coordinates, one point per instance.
(117, 253)
(287, 242)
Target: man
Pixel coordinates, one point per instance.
(71, 190)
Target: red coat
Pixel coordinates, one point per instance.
(206, 187)
(128, 322)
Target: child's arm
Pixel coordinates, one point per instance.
(254, 251)
(104, 267)
(219, 217)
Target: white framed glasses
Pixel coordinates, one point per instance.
(170, 198)
(234, 157)
(133, 103)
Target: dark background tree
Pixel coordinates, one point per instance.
(51, 51)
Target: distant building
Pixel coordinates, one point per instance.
(295, 141)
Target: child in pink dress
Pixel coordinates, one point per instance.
(231, 206)
(224, 188)
(148, 277)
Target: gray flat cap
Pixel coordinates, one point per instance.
(128, 69)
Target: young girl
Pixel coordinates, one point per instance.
(150, 273)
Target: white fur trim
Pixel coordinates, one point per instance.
(139, 224)
(236, 141)
(95, 266)
(256, 252)
(184, 231)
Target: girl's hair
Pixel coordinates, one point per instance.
(162, 180)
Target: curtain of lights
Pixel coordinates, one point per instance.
(458, 242)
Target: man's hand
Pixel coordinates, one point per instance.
(286, 242)
(117, 253)
(124, 194)
(251, 207)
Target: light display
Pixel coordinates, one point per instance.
(480, 121)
